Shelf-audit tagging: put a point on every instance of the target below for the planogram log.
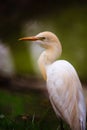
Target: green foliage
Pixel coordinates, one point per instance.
(22, 111)
(24, 122)
(27, 111)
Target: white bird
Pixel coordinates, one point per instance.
(63, 84)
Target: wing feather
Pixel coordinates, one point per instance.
(65, 93)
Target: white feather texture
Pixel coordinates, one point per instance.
(63, 87)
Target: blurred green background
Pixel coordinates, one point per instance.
(18, 60)
(25, 18)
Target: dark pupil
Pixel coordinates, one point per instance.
(42, 38)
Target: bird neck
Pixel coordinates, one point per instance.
(48, 57)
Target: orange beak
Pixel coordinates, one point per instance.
(32, 38)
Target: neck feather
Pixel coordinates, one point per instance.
(48, 57)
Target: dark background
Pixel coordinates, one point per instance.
(22, 89)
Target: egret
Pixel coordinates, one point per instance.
(63, 84)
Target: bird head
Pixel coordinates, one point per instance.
(44, 39)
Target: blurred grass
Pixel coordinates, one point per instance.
(14, 103)
(27, 111)
(20, 123)
(20, 111)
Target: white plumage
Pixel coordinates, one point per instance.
(65, 93)
(63, 84)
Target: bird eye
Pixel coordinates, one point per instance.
(42, 38)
